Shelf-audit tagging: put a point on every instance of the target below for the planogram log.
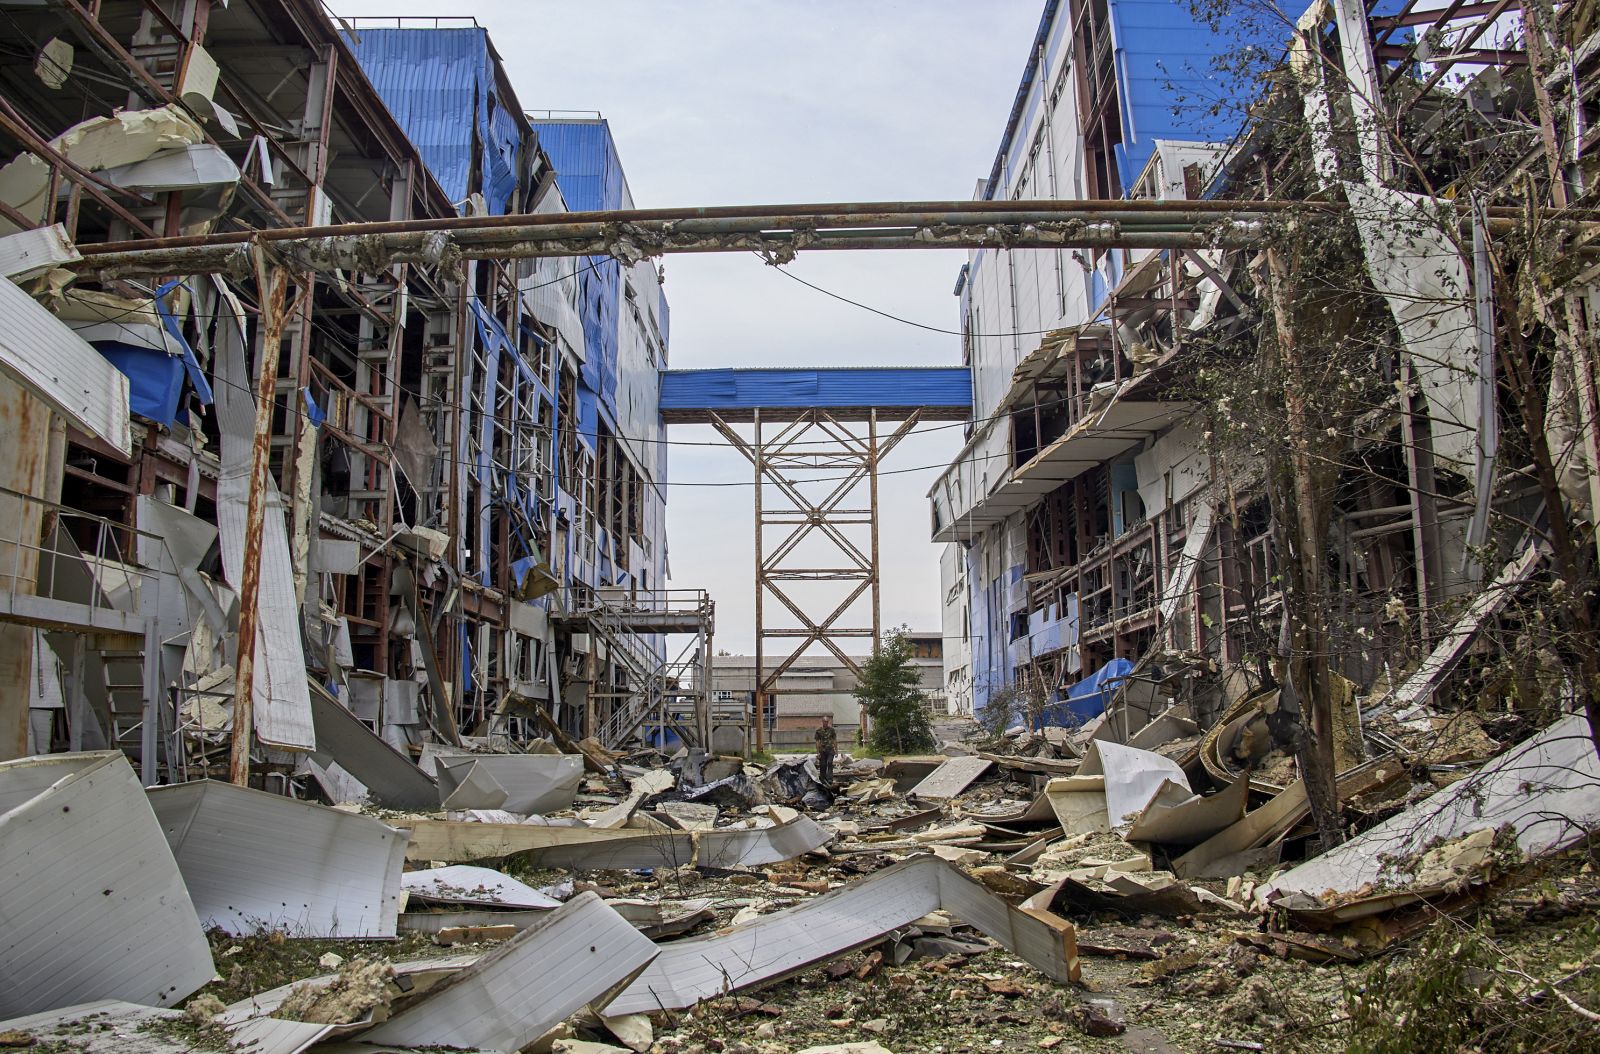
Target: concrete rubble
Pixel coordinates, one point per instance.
(345, 708)
(679, 902)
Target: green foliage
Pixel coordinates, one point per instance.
(888, 690)
(1457, 991)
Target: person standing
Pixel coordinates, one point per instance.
(827, 744)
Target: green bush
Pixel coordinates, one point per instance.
(887, 689)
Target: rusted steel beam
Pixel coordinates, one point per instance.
(840, 213)
(630, 242)
(274, 282)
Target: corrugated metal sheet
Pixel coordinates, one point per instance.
(91, 902)
(439, 84)
(588, 170)
(527, 986)
(253, 861)
(939, 391)
(1169, 77)
(534, 783)
(776, 945)
(279, 693)
(60, 367)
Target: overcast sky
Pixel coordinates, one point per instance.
(724, 102)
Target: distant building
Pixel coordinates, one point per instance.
(817, 685)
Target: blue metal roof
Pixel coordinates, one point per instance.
(440, 86)
(588, 170)
(940, 392)
(1180, 79)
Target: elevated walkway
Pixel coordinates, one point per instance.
(934, 393)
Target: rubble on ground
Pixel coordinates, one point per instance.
(1041, 890)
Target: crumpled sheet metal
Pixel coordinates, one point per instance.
(1547, 788)
(530, 784)
(391, 778)
(282, 702)
(92, 902)
(607, 850)
(513, 995)
(253, 860)
(785, 942)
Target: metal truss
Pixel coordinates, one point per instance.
(810, 474)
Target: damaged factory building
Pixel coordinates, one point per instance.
(467, 533)
(348, 701)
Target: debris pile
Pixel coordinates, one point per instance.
(676, 885)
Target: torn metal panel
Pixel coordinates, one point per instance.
(44, 356)
(783, 943)
(951, 778)
(1547, 789)
(512, 996)
(1079, 803)
(1176, 816)
(93, 904)
(1132, 777)
(282, 707)
(464, 784)
(340, 787)
(389, 775)
(190, 167)
(254, 860)
(533, 784)
(1421, 275)
(454, 842)
(1447, 653)
(465, 884)
(27, 254)
(603, 850)
(768, 845)
(1194, 544)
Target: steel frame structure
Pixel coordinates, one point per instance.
(785, 461)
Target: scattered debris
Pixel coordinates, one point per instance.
(87, 868)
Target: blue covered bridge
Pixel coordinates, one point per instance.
(941, 393)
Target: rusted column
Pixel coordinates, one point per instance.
(273, 285)
(872, 524)
(761, 586)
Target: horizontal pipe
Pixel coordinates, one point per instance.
(313, 257)
(846, 213)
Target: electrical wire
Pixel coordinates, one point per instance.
(904, 321)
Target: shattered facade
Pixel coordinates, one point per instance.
(1094, 522)
(465, 536)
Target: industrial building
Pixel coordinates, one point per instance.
(465, 535)
(1097, 523)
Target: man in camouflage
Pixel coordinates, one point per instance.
(827, 743)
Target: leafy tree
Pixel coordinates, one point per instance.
(887, 690)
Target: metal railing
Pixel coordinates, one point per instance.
(64, 569)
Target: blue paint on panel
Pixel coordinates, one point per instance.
(440, 86)
(733, 389)
(1174, 79)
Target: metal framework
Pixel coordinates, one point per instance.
(807, 509)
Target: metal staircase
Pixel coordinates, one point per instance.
(655, 684)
